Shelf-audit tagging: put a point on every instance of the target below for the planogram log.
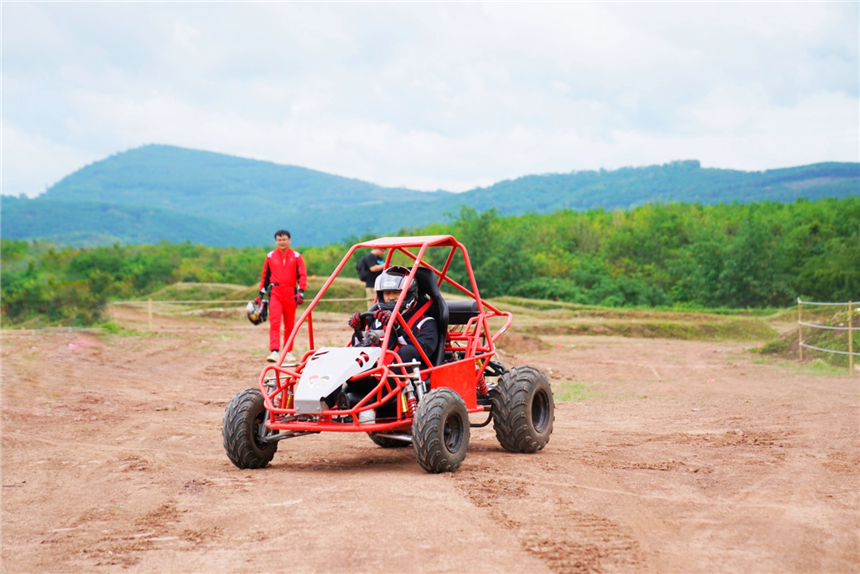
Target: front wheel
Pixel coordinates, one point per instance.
(244, 426)
(523, 410)
(440, 431)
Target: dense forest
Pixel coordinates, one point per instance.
(736, 255)
(158, 192)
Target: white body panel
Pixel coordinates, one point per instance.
(327, 369)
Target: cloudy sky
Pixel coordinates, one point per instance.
(431, 95)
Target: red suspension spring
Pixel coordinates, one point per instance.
(413, 404)
(483, 389)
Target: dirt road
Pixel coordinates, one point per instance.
(667, 456)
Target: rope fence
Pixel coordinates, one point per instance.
(800, 323)
(829, 350)
(817, 326)
(849, 329)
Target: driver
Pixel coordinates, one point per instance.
(388, 287)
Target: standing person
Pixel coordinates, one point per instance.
(284, 270)
(369, 267)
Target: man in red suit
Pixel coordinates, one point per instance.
(285, 271)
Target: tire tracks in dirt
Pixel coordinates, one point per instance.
(547, 524)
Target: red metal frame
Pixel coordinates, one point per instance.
(473, 339)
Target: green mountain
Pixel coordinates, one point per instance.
(163, 192)
(257, 197)
(86, 223)
(678, 181)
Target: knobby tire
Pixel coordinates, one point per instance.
(241, 423)
(437, 450)
(523, 410)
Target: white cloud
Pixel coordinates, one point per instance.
(185, 36)
(32, 163)
(431, 95)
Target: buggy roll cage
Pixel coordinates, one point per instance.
(469, 345)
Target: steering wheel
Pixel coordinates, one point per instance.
(371, 339)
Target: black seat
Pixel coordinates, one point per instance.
(459, 312)
(427, 287)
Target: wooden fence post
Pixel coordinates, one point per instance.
(149, 312)
(850, 338)
(799, 331)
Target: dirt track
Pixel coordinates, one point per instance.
(668, 457)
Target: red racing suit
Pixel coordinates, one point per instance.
(283, 271)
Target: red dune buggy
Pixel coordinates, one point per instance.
(427, 407)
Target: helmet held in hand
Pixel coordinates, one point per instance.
(256, 311)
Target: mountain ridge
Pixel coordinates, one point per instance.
(168, 192)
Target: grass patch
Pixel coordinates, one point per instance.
(219, 293)
(720, 329)
(198, 292)
(780, 346)
(559, 318)
(824, 367)
(574, 392)
(342, 288)
(37, 322)
(817, 366)
(115, 329)
(811, 314)
(596, 310)
(541, 304)
(227, 336)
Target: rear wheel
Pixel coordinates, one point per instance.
(523, 410)
(386, 442)
(244, 427)
(440, 431)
